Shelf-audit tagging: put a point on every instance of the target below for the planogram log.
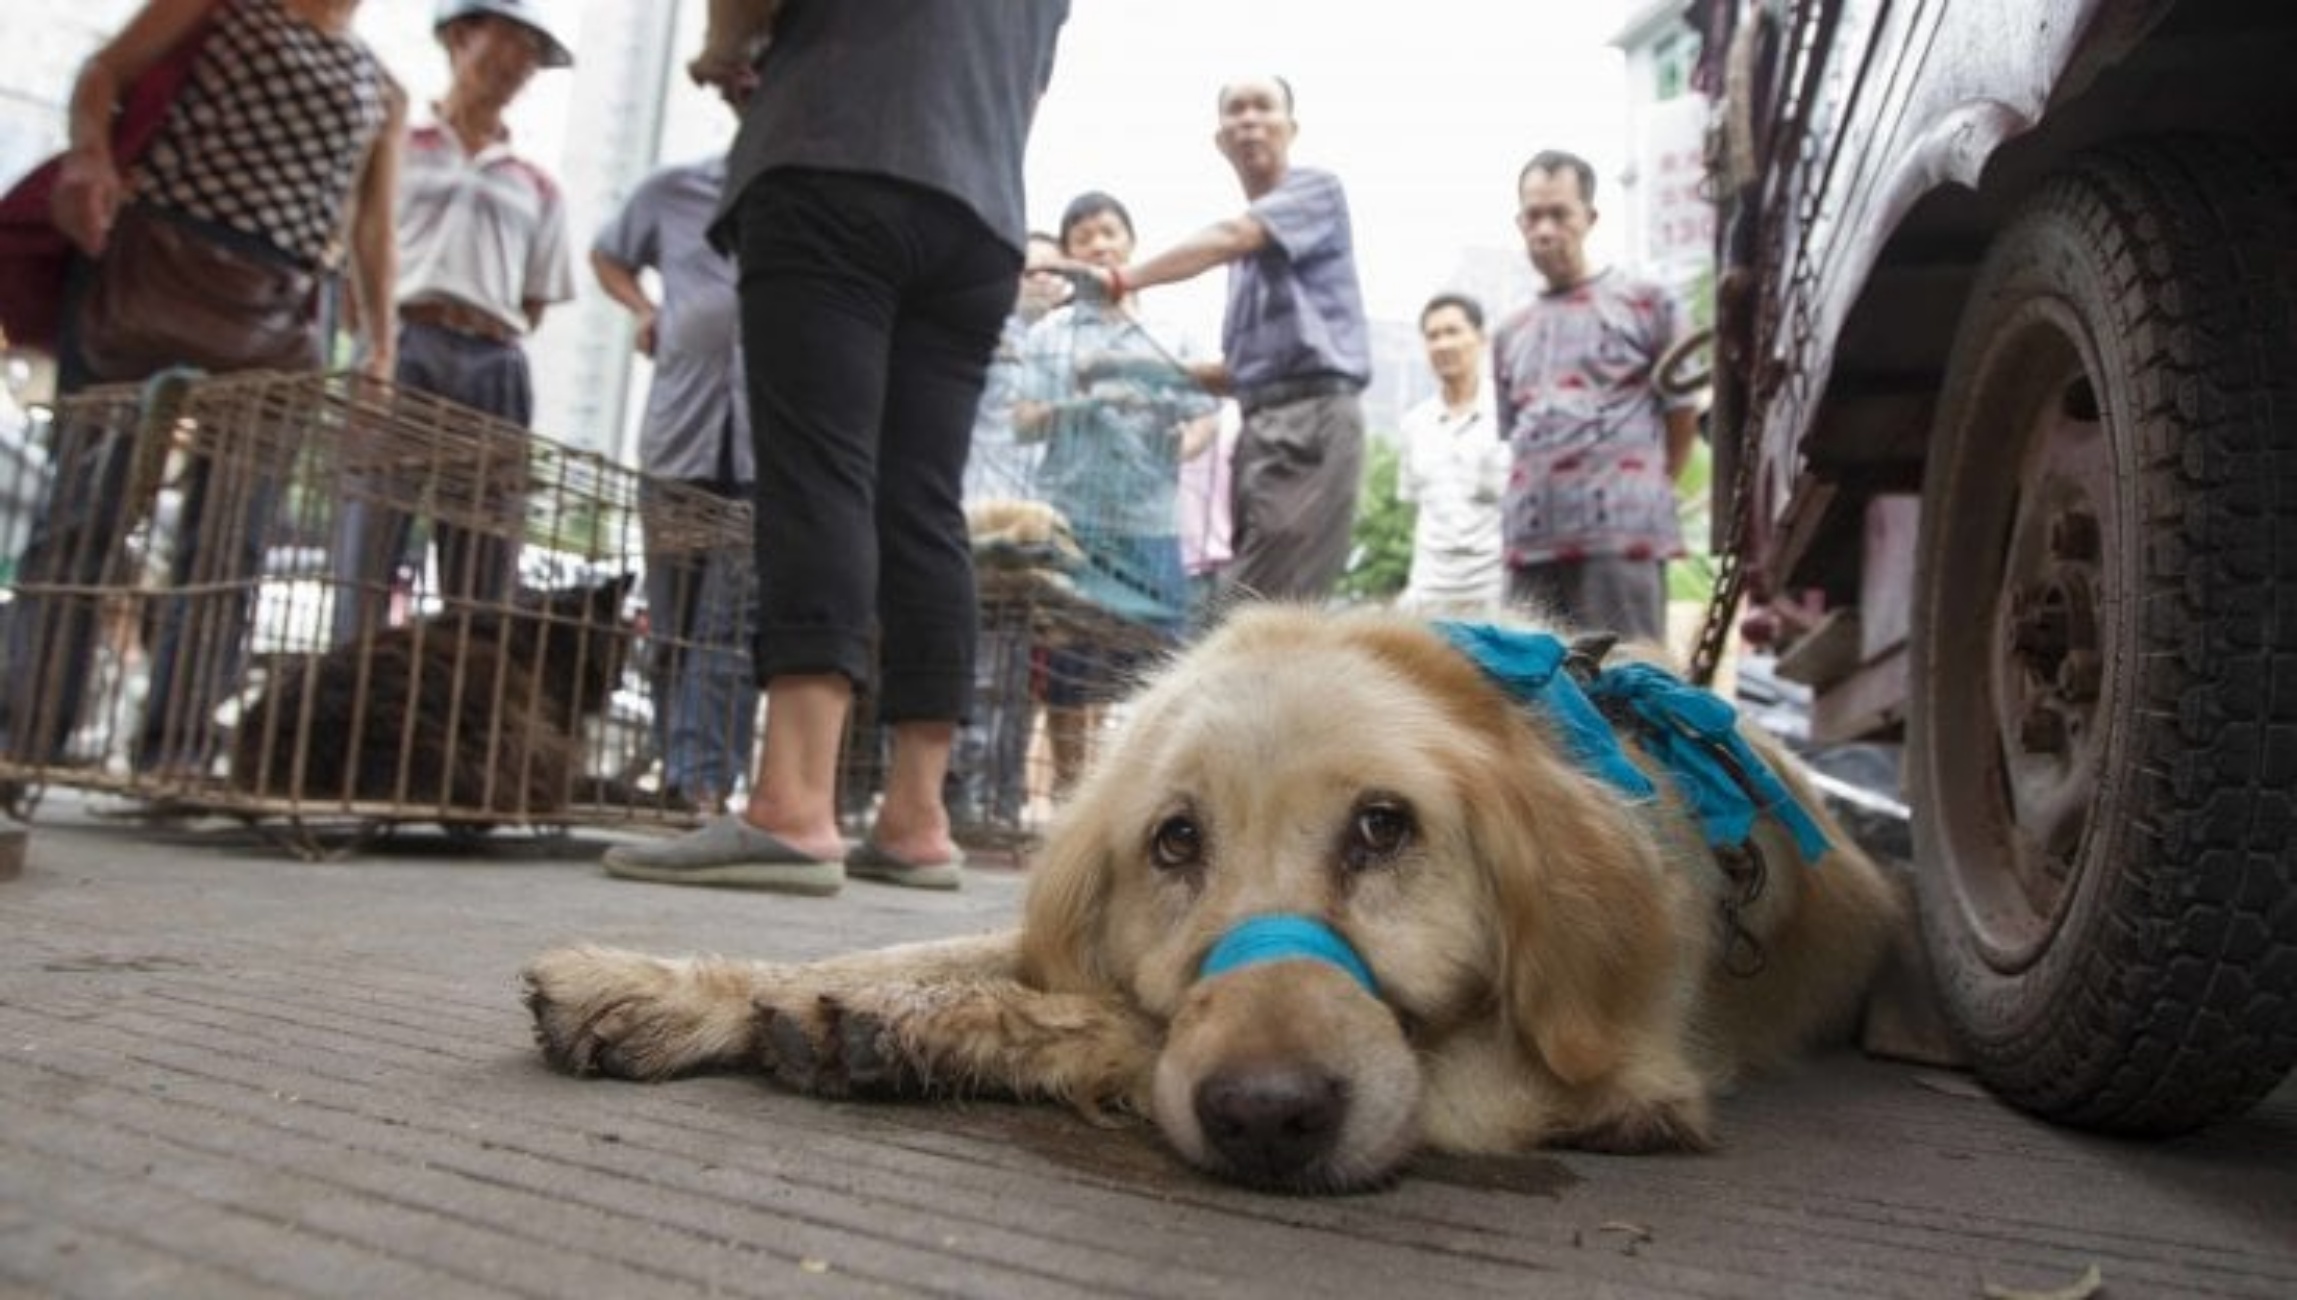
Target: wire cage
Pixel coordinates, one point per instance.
(1096, 467)
(319, 600)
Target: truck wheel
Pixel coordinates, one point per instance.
(2103, 718)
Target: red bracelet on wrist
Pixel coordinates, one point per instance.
(1116, 284)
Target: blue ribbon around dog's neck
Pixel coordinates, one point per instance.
(1285, 936)
(1692, 733)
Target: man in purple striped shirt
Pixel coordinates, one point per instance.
(1295, 344)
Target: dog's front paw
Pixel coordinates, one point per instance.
(600, 1011)
(830, 1049)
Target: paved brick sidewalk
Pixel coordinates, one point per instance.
(228, 1072)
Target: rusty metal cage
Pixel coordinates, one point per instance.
(217, 610)
(330, 606)
(1015, 751)
(1093, 460)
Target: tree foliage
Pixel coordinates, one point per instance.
(1380, 558)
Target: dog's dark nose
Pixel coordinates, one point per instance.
(1272, 1123)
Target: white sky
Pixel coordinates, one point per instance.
(1426, 111)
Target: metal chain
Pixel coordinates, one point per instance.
(1745, 873)
(1730, 574)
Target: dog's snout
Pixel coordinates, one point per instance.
(1272, 1123)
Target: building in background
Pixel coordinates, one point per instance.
(1666, 219)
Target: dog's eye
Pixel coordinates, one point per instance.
(1380, 830)
(1177, 842)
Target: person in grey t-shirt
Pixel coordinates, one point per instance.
(699, 602)
(874, 202)
(1296, 348)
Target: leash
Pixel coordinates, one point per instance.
(1691, 733)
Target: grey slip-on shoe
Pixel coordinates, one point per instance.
(729, 852)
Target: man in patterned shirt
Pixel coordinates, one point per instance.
(483, 249)
(1590, 506)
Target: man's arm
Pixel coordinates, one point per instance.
(375, 240)
(621, 283)
(1682, 433)
(1680, 413)
(732, 33)
(549, 260)
(1502, 386)
(1216, 245)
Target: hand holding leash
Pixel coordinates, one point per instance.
(1101, 284)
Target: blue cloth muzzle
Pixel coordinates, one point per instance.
(1285, 936)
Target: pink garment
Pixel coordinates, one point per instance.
(1207, 505)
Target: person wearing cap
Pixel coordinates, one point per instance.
(483, 250)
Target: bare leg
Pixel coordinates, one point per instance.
(795, 795)
(913, 822)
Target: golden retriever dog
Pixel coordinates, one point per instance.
(1333, 895)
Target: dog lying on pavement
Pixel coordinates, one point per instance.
(1345, 886)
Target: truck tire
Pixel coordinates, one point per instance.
(2102, 725)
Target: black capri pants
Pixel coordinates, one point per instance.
(870, 309)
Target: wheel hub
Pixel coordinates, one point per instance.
(2050, 664)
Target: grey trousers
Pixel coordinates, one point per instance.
(1606, 593)
(1299, 468)
(371, 536)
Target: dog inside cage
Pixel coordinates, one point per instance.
(484, 708)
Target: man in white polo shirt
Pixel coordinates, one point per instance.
(482, 251)
(1455, 470)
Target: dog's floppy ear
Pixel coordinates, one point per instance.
(1587, 943)
(1587, 948)
(1061, 922)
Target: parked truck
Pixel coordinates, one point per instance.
(2005, 426)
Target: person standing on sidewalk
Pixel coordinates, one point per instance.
(483, 249)
(1454, 471)
(1297, 350)
(697, 432)
(988, 784)
(1590, 508)
(874, 202)
(276, 160)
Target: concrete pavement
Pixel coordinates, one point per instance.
(226, 1071)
